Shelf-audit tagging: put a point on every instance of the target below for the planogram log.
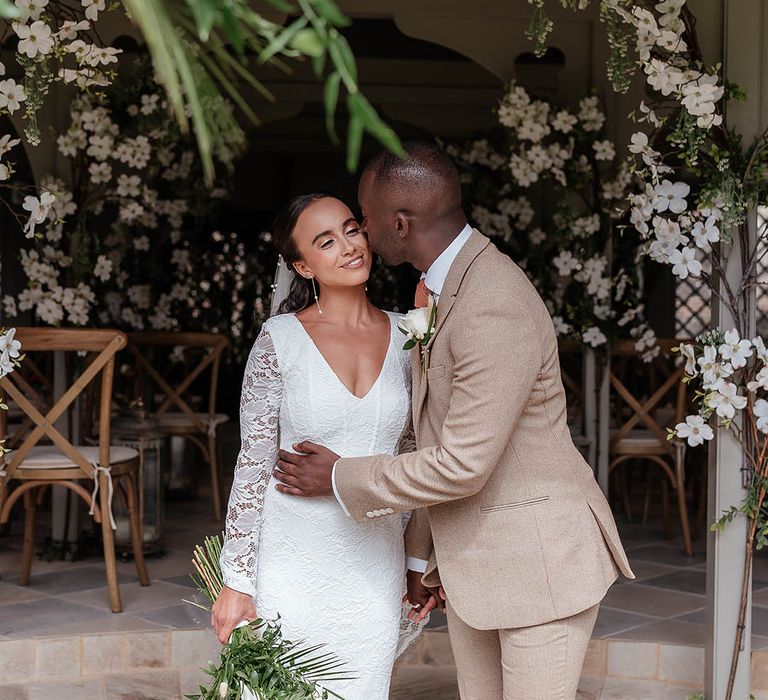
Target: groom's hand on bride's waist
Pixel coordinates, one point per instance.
(308, 473)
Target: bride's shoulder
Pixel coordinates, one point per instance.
(279, 326)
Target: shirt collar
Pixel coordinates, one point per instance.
(435, 276)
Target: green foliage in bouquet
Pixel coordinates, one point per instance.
(257, 656)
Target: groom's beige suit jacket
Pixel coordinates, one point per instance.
(512, 516)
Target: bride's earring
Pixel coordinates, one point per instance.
(314, 291)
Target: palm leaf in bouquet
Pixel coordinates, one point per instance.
(257, 657)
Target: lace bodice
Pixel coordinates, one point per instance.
(291, 394)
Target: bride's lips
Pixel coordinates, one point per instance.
(355, 263)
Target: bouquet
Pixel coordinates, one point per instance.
(257, 657)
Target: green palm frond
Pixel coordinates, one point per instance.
(199, 49)
(257, 656)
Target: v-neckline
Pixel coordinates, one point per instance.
(333, 371)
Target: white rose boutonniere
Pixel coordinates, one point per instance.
(418, 325)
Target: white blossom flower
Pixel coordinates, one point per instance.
(590, 116)
(649, 115)
(735, 349)
(760, 381)
(69, 29)
(604, 150)
(564, 122)
(100, 146)
(141, 243)
(130, 211)
(7, 143)
(684, 263)
(70, 142)
(33, 39)
(671, 196)
(662, 76)
(100, 172)
(760, 350)
(712, 370)
(9, 306)
(49, 311)
(537, 236)
(594, 337)
(8, 344)
(700, 95)
(140, 295)
(38, 210)
(725, 400)
(30, 9)
(149, 103)
(561, 327)
(566, 263)
(103, 268)
(694, 430)
(128, 185)
(688, 353)
(103, 55)
(92, 8)
(11, 95)
(760, 409)
(705, 233)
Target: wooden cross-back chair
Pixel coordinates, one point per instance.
(581, 408)
(34, 378)
(647, 398)
(32, 466)
(175, 415)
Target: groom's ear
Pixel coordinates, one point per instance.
(402, 224)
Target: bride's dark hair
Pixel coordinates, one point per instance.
(301, 295)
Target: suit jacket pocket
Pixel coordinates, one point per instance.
(519, 504)
(435, 373)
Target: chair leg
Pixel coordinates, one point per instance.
(213, 459)
(108, 536)
(137, 528)
(666, 526)
(29, 538)
(624, 486)
(681, 499)
(648, 490)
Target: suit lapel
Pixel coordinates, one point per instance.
(475, 245)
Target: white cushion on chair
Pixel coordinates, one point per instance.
(641, 439)
(51, 457)
(182, 420)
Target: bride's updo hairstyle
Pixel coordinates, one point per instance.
(301, 295)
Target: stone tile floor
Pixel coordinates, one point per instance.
(665, 603)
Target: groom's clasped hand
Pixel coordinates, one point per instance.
(308, 473)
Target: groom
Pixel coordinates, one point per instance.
(512, 523)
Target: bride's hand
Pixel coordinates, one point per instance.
(422, 598)
(229, 609)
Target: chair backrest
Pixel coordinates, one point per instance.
(641, 390)
(35, 378)
(100, 347)
(175, 394)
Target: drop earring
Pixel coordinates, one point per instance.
(314, 291)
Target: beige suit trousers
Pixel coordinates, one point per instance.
(542, 662)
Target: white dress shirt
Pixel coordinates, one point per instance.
(434, 278)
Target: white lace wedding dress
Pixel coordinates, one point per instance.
(333, 581)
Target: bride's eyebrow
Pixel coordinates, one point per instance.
(351, 220)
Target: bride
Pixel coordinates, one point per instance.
(327, 368)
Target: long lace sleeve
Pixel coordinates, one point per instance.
(259, 416)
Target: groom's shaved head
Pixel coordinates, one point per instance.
(411, 206)
(425, 181)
